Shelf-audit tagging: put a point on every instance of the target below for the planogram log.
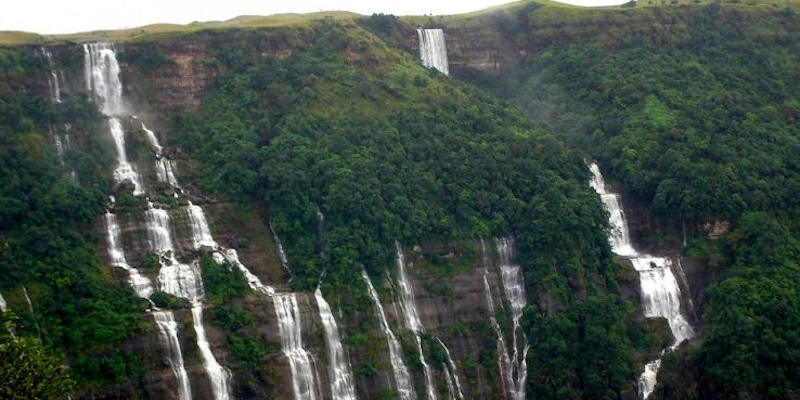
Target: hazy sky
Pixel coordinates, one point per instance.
(68, 16)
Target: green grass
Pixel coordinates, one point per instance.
(155, 31)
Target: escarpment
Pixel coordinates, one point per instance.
(351, 207)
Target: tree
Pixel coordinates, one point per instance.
(28, 372)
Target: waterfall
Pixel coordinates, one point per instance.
(52, 79)
(453, 371)
(220, 378)
(201, 234)
(647, 381)
(290, 326)
(125, 171)
(339, 365)
(503, 360)
(153, 140)
(101, 72)
(168, 329)
(402, 379)
(140, 283)
(661, 295)
(3, 304)
(619, 238)
(159, 237)
(514, 288)
(252, 280)
(281, 253)
(165, 172)
(164, 166)
(413, 323)
(432, 49)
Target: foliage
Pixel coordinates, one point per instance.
(750, 348)
(386, 151)
(586, 344)
(222, 281)
(43, 220)
(699, 120)
(28, 371)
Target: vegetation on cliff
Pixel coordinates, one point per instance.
(694, 110)
(45, 249)
(386, 150)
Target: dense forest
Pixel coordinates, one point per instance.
(389, 151)
(697, 118)
(47, 255)
(349, 146)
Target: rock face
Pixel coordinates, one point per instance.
(448, 279)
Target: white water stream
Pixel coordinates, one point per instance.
(401, 376)
(168, 329)
(289, 323)
(411, 317)
(432, 49)
(339, 371)
(661, 295)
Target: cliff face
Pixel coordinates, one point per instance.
(452, 301)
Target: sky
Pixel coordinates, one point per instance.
(69, 16)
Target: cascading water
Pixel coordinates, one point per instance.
(3, 304)
(125, 171)
(168, 329)
(432, 49)
(661, 295)
(289, 324)
(401, 376)
(164, 167)
(101, 72)
(281, 253)
(514, 288)
(341, 376)
(52, 80)
(140, 283)
(220, 378)
(102, 77)
(503, 360)
(411, 317)
(201, 234)
(452, 372)
(619, 238)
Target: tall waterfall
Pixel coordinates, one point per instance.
(503, 360)
(432, 49)
(452, 372)
(52, 79)
(3, 304)
(289, 324)
(339, 371)
(140, 283)
(168, 329)
(514, 288)
(401, 376)
(661, 295)
(413, 323)
(220, 378)
(101, 72)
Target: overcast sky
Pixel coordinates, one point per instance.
(68, 16)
